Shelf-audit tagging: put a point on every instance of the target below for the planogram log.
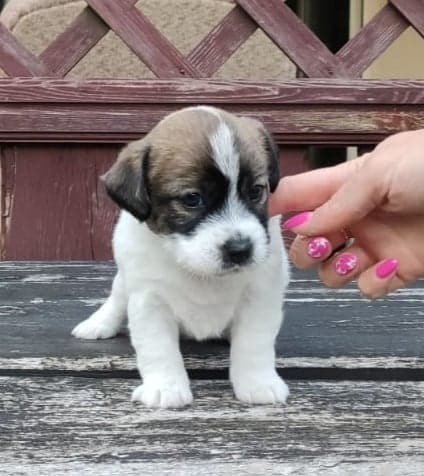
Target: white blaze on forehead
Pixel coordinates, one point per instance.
(224, 152)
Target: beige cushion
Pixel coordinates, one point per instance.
(184, 22)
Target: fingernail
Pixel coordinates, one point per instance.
(386, 268)
(318, 247)
(345, 263)
(296, 220)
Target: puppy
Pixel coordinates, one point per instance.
(197, 254)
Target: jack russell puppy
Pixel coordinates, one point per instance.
(197, 254)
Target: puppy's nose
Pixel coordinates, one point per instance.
(237, 251)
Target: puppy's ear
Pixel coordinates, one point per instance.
(272, 153)
(126, 181)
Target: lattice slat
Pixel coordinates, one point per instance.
(291, 35)
(144, 39)
(370, 42)
(215, 49)
(81, 36)
(413, 11)
(15, 59)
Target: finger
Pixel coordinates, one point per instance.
(355, 199)
(380, 279)
(306, 252)
(345, 266)
(309, 190)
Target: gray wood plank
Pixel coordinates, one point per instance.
(88, 426)
(41, 302)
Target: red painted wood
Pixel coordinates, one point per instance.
(292, 161)
(144, 39)
(77, 40)
(57, 209)
(290, 123)
(372, 40)
(290, 34)
(183, 91)
(413, 11)
(215, 49)
(15, 59)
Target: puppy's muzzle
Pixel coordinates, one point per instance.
(237, 251)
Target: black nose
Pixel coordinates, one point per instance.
(237, 251)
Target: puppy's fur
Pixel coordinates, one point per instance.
(196, 253)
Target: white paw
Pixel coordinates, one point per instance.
(95, 328)
(258, 388)
(163, 394)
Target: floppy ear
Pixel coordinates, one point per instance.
(272, 153)
(126, 180)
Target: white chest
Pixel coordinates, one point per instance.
(205, 311)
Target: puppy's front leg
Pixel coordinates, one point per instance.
(154, 335)
(252, 368)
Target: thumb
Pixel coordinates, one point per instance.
(355, 199)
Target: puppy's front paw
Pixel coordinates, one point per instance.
(260, 388)
(95, 328)
(163, 394)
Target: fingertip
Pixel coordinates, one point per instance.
(380, 279)
(296, 221)
(386, 268)
(279, 201)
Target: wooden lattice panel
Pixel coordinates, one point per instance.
(273, 17)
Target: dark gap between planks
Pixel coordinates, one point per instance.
(290, 373)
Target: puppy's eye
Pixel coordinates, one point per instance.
(192, 200)
(257, 193)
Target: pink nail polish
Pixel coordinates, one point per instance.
(386, 268)
(345, 263)
(318, 247)
(296, 220)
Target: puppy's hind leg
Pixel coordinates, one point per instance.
(109, 318)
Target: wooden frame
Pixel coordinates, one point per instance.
(297, 112)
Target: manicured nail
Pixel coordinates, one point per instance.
(386, 268)
(318, 247)
(296, 220)
(345, 263)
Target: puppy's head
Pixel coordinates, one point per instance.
(201, 179)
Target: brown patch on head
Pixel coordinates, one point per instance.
(180, 149)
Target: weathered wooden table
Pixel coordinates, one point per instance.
(355, 369)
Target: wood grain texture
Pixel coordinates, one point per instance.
(372, 40)
(323, 329)
(183, 91)
(56, 207)
(59, 425)
(15, 59)
(412, 10)
(292, 124)
(144, 39)
(293, 37)
(220, 43)
(78, 39)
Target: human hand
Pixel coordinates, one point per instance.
(378, 199)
